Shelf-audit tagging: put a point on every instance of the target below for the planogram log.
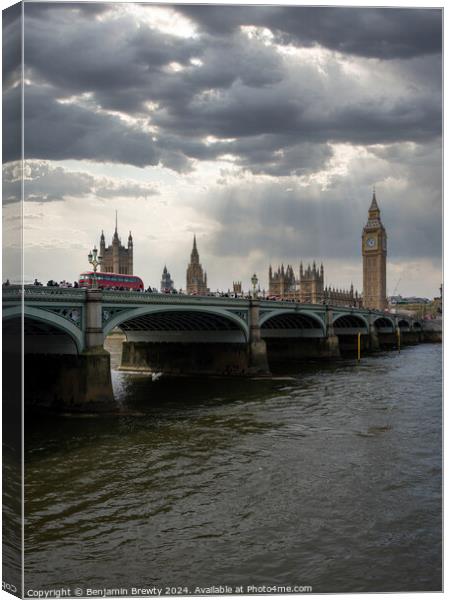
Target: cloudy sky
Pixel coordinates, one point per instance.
(262, 129)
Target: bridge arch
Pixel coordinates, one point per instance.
(305, 322)
(350, 323)
(417, 325)
(179, 318)
(40, 322)
(384, 322)
(403, 324)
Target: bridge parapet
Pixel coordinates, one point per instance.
(153, 298)
(34, 292)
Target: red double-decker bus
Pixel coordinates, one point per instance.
(115, 281)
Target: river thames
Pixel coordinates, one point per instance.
(329, 478)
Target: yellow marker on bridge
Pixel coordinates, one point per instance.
(398, 332)
(358, 346)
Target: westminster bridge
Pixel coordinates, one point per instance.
(65, 330)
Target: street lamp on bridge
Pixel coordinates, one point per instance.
(95, 260)
(254, 281)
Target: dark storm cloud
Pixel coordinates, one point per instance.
(125, 63)
(11, 74)
(62, 131)
(281, 117)
(275, 155)
(371, 32)
(119, 60)
(279, 155)
(12, 124)
(243, 113)
(12, 45)
(67, 10)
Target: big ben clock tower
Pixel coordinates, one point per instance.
(374, 251)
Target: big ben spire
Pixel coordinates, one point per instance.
(374, 211)
(374, 207)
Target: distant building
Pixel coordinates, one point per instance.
(311, 284)
(309, 288)
(196, 280)
(410, 300)
(437, 302)
(237, 287)
(437, 306)
(282, 283)
(167, 284)
(374, 251)
(414, 305)
(116, 258)
(342, 297)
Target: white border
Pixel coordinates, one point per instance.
(384, 3)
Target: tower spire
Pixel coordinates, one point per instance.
(194, 256)
(116, 227)
(374, 206)
(374, 252)
(196, 279)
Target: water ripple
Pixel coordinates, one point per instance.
(331, 478)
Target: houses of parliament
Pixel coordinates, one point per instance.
(308, 287)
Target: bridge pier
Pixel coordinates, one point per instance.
(76, 382)
(185, 358)
(349, 344)
(409, 338)
(374, 343)
(432, 331)
(387, 341)
(331, 343)
(286, 354)
(93, 390)
(330, 347)
(258, 361)
(69, 382)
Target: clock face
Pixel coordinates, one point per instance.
(371, 242)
